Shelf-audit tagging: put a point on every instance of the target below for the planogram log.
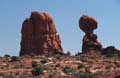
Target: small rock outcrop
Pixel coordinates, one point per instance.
(110, 50)
(87, 24)
(39, 35)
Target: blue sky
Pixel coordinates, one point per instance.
(66, 14)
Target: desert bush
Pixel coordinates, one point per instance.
(7, 66)
(87, 69)
(32, 54)
(17, 66)
(26, 56)
(112, 55)
(52, 74)
(60, 76)
(77, 57)
(108, 66)
(34, 64)
(57, 56)
(86, 75)
(39, 70)
(50, 54)
(15, 58)
(44, 60)
(7, 55)
(69, 69)
(83, 59)
(5, 75)
(81, 66)
(78, 53)
(73, 71)
(58, 65)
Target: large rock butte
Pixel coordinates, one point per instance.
(87, 24)
(39, 35)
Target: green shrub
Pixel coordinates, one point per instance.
(78, 53)
(58, 65)
(109, 55)
(52, 74)
(5, 75)
(7, 55)
(44, 60)
(83, 59)
(58, 56)
(60, 76)
(81, 66)
(39, 70)
(87, 69)
(32, 54)
(108, 66)
(34, 64)
(17, 66)
(86, 75)
(15, 58)
(50, 54)
(69, 69)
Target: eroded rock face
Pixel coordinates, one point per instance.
(87, 24)
(39, 35)
(110, 50)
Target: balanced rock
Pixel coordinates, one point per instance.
(87, 24)
(39, 35)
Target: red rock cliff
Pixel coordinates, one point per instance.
(39, 35)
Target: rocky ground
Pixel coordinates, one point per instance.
(60, 66)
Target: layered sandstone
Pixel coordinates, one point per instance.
(39, 35)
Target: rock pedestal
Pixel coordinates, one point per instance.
(87, 24)
(39, 35)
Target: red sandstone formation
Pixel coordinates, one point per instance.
(90, 42)
(87, 23)
(39, 35)
(110, 50)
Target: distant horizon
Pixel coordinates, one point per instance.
(66, 15)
